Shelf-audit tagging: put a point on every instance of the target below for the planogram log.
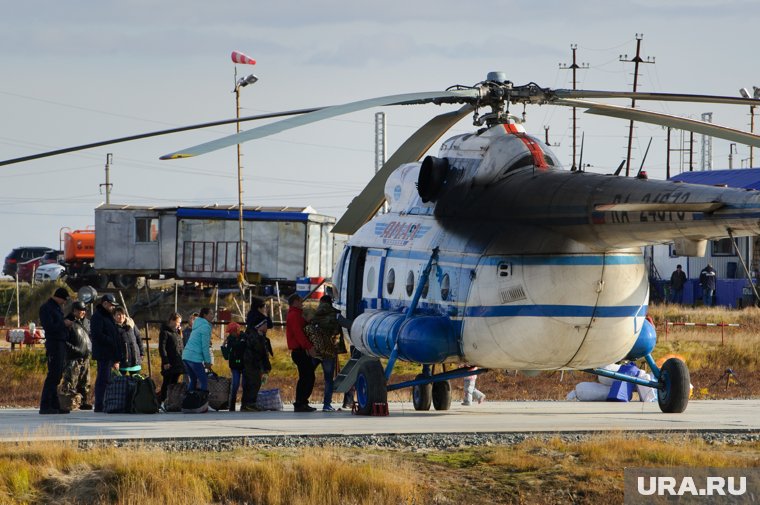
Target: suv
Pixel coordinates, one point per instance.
(21, 255)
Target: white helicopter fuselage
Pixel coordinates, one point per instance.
(537, 268)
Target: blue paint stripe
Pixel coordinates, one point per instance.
(248, 215)
(552, 311)
(576, 260)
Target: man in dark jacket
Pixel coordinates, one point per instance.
(677, 282)
(708, 279)
(56, 336)
(76, 374)
(106, 348)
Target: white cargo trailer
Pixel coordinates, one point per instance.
(203, 243)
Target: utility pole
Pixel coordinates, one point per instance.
(667, 157)
(107, 184)
(731, 152)
(636, 61)
(573, 66)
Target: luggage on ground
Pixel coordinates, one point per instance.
(175, 393)
(218, 392)
(195, 402)
(144, 398)
(118, 396)
(269, 399)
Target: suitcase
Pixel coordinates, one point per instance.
(195, 402)
(218, 392)
(175, 393)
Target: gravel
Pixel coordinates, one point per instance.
(409, 442)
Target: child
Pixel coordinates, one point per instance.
(470, 391)
(235, 345)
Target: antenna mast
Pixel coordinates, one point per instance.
(636, 61)
(573, 66)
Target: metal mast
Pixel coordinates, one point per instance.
(706, 162)
(636, 61)
(381, 146)
(573, 66)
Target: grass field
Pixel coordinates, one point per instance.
(534, 471)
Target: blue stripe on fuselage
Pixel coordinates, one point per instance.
(528, 310)
(577, 260)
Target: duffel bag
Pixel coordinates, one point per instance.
(144, 397)
(218, 392)
(195, 402)
(175, 393)
(118, 396)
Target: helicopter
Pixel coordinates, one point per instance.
(492, 255)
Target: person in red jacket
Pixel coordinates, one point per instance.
(301, 352)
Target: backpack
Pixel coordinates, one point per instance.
(237, 351)
(144, 398)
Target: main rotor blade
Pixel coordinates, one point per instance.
(368, 202)
(155, 134)
(662, 97)
(438, 97)
(657, 118)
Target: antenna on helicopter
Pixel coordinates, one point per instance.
(620, 168)
(642, 174)
(580, 162)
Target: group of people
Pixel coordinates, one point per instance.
(114, 342)
(110, 337)
(707, 281)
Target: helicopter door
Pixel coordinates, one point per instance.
(354, 283)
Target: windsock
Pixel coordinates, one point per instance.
(238, 57)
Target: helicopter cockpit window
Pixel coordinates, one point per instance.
(390, 283)
(410, 283)
(371, 280)
(445, 287)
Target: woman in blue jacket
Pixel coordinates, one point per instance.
(197, 355)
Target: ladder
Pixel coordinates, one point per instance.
(347, 375)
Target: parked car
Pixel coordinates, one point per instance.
(49, 272)
(21, 255)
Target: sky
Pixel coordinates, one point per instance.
(77, 72)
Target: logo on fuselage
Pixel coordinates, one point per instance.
(399, 233)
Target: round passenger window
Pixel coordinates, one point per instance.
(445, 287)
(425, 288)
(371, 280)
(410, 283)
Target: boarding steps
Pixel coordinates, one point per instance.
(347, 375)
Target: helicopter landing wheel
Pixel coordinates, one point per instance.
(422, 395)
(370, 387)
(442, 395)
(673, 394)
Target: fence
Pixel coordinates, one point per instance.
(722, 327)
